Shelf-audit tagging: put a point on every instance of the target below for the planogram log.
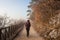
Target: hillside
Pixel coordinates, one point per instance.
(45, 16)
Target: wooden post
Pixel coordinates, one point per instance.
(0, 34)
(5, 34)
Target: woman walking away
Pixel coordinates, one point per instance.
(28, 27)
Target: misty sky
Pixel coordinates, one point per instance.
(14, 8)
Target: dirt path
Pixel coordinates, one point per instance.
(33, 35)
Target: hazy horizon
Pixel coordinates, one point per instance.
(14, 8)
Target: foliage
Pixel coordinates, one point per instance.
(45, 14)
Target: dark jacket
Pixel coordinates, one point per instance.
(28, 24)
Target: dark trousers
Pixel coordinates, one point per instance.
(27, 29)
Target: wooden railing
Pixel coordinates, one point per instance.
(8, 33)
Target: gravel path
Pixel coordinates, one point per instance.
(33, 35)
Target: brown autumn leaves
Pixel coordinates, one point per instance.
(45, 15)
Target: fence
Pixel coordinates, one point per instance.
(8, 33)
